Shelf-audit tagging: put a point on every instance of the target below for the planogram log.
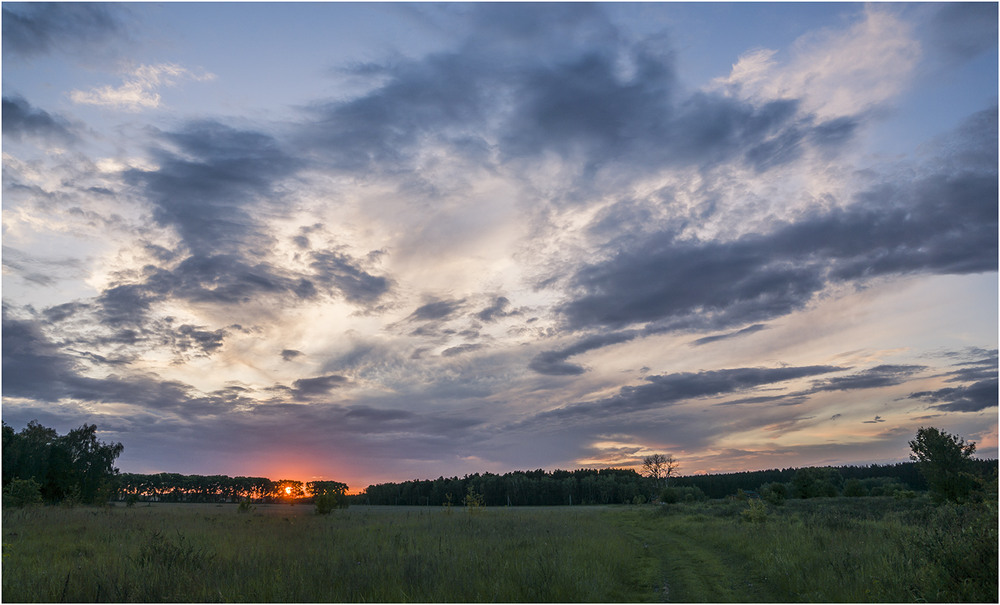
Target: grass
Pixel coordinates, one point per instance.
(205, 553)
(828, 550)
(832, 550)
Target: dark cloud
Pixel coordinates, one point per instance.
(201, 342)
(668, 389)
(872, 378)
(209, 188)
(972, 398)
(496, 310)
(290, 354)
(553, 363)
(717, 337)
(36, 368)
(587, 93)
(345, 274)
(306, 388)
(461, 349)
(437, 310)
(664, 278)
(980, 395)
(939, 224)
(225, 279)
(38, 271)
(21, 120)
(33, 29)
(962, 30)
(214, 191)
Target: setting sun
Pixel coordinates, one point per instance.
(288, 491)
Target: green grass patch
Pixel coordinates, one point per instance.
(206, 553)
(827, 550)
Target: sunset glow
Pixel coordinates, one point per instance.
(445, 239)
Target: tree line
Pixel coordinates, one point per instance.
(174, 487)
(518, 488)
(906, 474)
(41, 465)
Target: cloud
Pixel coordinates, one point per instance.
(206, 189)
(553, 363)
(833, 72)
(138, 91)
(21, 120)
(496, 310)
(668, 389)
(307, 388)
(980, 395)
(36, 368)
(214, 192)
(717, 337)
(202, 342)
(35, 29)
(290, 354)
(962, 30)
(972, 398)
(436, 310)
(461, 349)
(942, 223)
(345, 274)
(872, 378)
(612, 104)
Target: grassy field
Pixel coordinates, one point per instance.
(843, 550)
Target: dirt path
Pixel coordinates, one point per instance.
(689, 570)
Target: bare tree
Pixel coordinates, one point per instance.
(660, 468)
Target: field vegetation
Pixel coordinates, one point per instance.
(832, 549)
(76, 530)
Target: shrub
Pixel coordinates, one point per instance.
(22, 492)
(326, 502)
(774, 493)
(673, 495)
(756, 511)
(854, 489)
(245, 507)
(473, 500)
(945, 461)
(813, 482)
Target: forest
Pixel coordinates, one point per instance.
(40, 465)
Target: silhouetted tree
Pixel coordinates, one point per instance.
(944, 460)
(75, 466)
(660, 468)
(327, 495)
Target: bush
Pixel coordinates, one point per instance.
(813, 482)
(756, 511)
(774, 493)
(326, 502)
(22, 492)
(854, 489)
(673, 495)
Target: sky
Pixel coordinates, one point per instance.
(379, 242)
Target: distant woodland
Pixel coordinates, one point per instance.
(40, 465)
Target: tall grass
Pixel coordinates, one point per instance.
(833, 550)
(206, 553)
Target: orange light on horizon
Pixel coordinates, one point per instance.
(288, 491)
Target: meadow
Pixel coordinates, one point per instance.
(831, 549)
